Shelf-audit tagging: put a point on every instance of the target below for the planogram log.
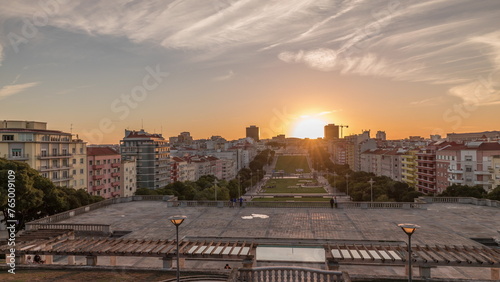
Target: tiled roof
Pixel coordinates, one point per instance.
(101, 151)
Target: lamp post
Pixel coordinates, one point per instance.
(177, 220)
(409, 228)
(215, 188)
(251, 180)
(347, 184)
(239, 188)
(371, 189)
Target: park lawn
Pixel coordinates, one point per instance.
(283, 184)
(289, 164)
(284, 199)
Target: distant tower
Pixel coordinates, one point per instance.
(381, 135)
(253, 132)
(331, 131)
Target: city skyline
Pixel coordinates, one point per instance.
(216, 67)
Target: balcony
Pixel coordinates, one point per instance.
(51, 168)
(97, 177)
(481, 172)
(98, 187)
(477, 182)
(426, 181)
(115, 165)
(21, 157)
(456, 181)
(53, 156)
(459, 171)
(97, 167)
(61, 179)
(426, 174)
(115, 174)
(424, 167)
(116, 183)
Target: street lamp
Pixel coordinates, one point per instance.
(409, 228)
(251, 180)
(347, 183)
(239, 188)
(177, 220)
(215, 186)
(371, 189)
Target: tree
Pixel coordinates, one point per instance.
(463, 191)
(35, 196)
(494, 194)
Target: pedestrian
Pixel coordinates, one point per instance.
(227, 266)
(335, 201)
(241, 202)
(332, 201)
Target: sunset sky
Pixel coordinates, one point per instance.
(216, 67)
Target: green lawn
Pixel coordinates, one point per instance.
(290, 163)
(282, 186)
(284, 199)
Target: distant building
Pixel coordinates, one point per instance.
(426, 167)
(331, 132)
(408, 168)
(381, 135)
(57, 155)
(104, 172)
(253, 132)
(151, 152)
(473, 136)
(128, 177)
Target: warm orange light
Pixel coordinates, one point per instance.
(309, 127)
(408, 228)
(177, 219)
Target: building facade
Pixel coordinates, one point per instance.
(104, 167)
(331, 132)
(253, 132)
(151, 152)
(57, 155)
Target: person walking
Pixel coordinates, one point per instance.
(332, 201)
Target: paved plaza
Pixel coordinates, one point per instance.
(445, 224)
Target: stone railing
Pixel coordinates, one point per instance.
(301, 204)
(459, 200)
(104, 229)
(68, 214)
(289, 273)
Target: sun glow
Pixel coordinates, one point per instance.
(308, 127)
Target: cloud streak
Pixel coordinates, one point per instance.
(13, 89)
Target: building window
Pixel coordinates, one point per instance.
(98, 162)
(90, 162)
(74, 171)
(17, 152)
(81, 171)
(74, 161)
(81, 181)
(7, 137)
(81, 160)
(73, 150)
(54, 152)
(81, 150)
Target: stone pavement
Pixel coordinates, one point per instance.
(445, 224)
(441, 224)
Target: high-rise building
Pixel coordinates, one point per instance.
(57, 155)
(151, 151)
(331, 132)
(408, 168)
(253, 132)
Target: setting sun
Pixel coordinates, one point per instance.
(307, 127)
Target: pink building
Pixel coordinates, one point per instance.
(104, 172)
(426, 167)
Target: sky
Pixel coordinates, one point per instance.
(96, 68)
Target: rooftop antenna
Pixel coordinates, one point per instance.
(142, 124)
(71, 128)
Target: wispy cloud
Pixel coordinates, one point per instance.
(227, 76)
(13, 89)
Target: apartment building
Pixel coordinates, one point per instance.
(128, 177)
(58, 156)
(426, 167)
(151, 152)
(408, 168)
(104, 167)
(470, 164)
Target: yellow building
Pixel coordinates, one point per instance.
(55, 154)
(408, 168)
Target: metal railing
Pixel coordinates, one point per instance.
(288, 274)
